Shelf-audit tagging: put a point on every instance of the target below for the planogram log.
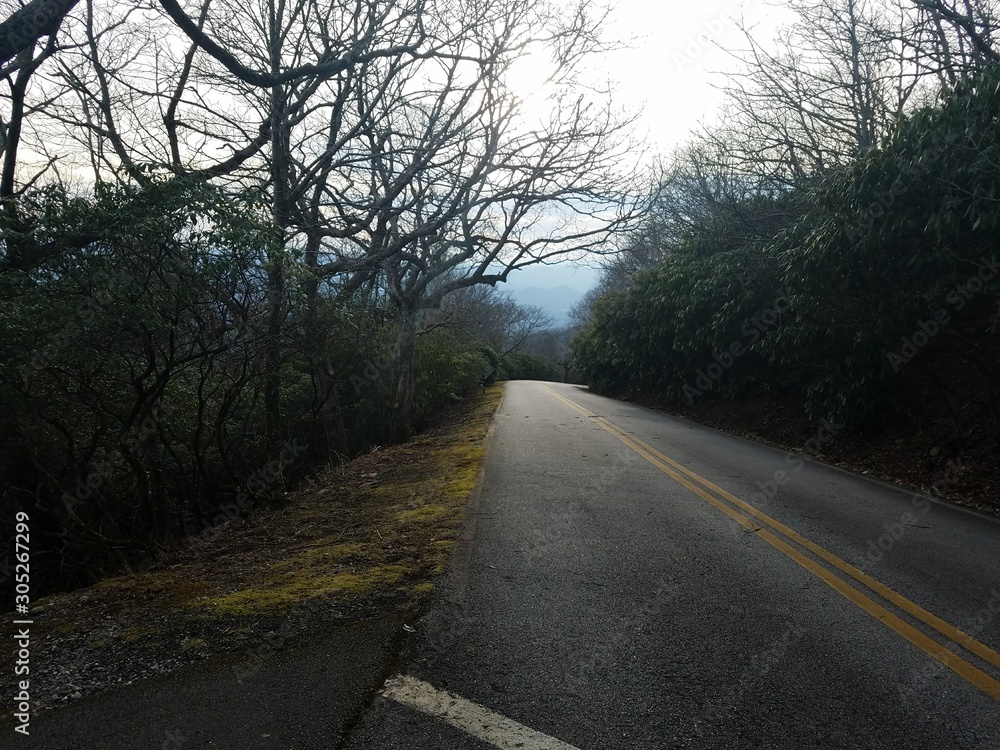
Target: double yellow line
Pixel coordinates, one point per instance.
(782, 537)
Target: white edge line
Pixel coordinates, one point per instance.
(470, 717)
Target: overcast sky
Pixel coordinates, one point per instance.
(677, 54)
(667, 75)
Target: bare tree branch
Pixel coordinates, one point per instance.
(29, 24)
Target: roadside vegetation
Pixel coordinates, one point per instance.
(364, 540)
(830, 253)
(240, 244)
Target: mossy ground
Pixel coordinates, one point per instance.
(361, 540)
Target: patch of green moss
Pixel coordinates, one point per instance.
(460, 486)
(166, 589)
(324, 551)
(298, 586)
(423, 514)
(137, 633)
(400, 490)
(352, 539)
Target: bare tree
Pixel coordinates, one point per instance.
(831, 90)
(263, 103)
(379, 138)
(20, 252)
(951, 38)
(473, 191)
(483, 313)
(27, 25)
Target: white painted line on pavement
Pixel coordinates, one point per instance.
(470, 717)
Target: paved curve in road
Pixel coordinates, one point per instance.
(631, 580)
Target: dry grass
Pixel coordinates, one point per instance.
(366, 538)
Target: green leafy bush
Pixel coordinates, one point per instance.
(445, 371)
(895, 248)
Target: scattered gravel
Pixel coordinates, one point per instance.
(113, 651)
(348, 524)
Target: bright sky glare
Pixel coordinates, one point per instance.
(675, 53)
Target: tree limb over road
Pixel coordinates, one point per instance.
(29, 24)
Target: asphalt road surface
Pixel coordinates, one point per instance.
(631, 580)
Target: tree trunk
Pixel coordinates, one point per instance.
(30, 23)
(276, 260)
(404, 362)
(272, 349)
(329, 434)
(19, 245)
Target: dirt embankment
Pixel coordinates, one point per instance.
(367, 539)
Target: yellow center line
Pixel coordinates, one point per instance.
(700, 487)
(945, 628)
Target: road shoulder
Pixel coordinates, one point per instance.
(225, 625)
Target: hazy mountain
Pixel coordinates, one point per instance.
(555, 301)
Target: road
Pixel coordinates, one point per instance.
(631, 580)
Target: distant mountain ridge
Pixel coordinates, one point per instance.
(555, 301)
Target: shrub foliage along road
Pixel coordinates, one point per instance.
(134, 377)
(870, 290)
(221, 270)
